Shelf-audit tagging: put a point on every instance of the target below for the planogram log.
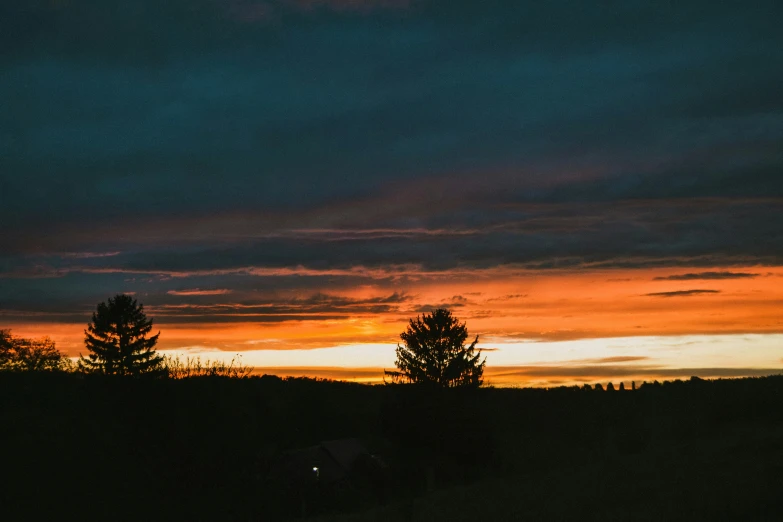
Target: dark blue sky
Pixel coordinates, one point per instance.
(163, 146)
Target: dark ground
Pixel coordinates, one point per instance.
(202, 449)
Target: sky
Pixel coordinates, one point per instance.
(595, 188)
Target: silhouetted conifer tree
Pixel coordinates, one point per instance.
(117, 340)
(598, 387)
(622, 386)
(435, 353)
(610, 387)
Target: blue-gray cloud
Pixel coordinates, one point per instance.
(209, 137)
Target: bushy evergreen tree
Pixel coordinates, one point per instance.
(435, 353)
(118, 342)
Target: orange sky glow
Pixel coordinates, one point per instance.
(539, 327)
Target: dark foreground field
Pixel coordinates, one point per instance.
(208, 449)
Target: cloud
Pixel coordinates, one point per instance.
(615, 359)
(507, 297)
(647, 146)
(320, 298)
(706, 276)
(602, 372)
(87, 255)
(429, 308)
(618, 234)
(197, 291)
(682, 293)
(317, 307)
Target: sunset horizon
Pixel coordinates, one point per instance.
(391, 260)
(548, 327)
(293, 180)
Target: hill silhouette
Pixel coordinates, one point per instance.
(205, 448)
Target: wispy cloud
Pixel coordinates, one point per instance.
(706, 276)
(612, 360)
(89, 255)
(317, 307)
(507, 297)
(682, 293)
(374, 234)
(198, 291)
(602, 372)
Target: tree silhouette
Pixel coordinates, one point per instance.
(5, 347)
(35, 355)
(435, 353)
(117, 338)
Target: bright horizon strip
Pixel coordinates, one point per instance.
(537, 363)
(572, 314)
(623, 359)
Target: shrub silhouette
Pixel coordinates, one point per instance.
(177, 368)
(117, 340)
(435, 353)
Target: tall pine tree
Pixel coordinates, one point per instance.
(117, 340)
(435, 353)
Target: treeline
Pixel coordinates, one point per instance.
(20, 354)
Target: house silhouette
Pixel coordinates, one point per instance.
(335, 472)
